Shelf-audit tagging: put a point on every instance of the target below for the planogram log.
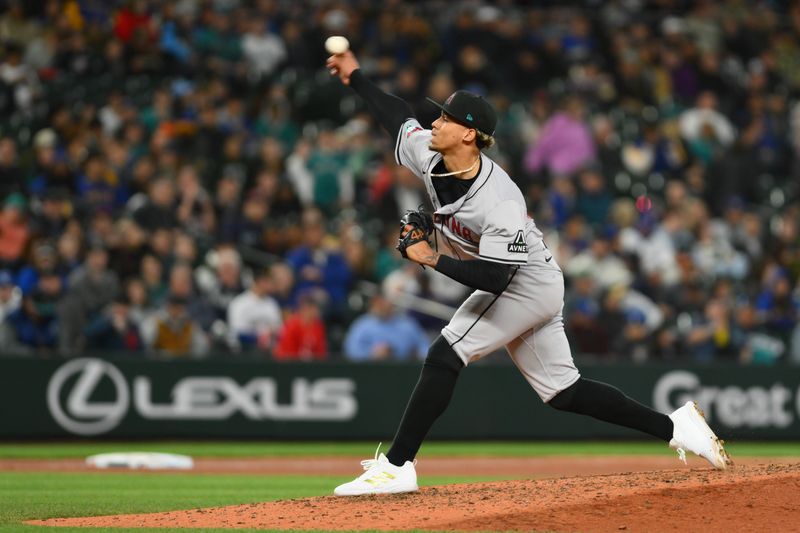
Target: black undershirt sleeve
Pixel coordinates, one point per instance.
(389, 110)
(478, 274)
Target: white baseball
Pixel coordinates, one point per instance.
(336, 44)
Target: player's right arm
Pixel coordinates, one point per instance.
(391, 112)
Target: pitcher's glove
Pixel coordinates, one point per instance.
(421, 228)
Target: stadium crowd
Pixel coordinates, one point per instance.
(185, 178)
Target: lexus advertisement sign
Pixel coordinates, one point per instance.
(94, 398)
(209, 398)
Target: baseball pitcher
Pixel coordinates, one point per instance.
(480, 219)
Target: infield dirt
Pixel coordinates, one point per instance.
(753, 497)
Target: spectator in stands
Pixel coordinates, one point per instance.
(283, 285)
(98, 188)
(50, 221)
(394, 190)
(383, 334)
(152, 277)
(263, 50)
(593, 200)
(332, 186)
(298, 173)
(173, 333)
(16, 27)
(132, 19)
(714, 336)
(127, 248)
(655, 245)
(44, 261)
(704, 127)
(222, 278)
(159, 211)
(254, 317)
(195, 210)
(10, 302)
(252, 224)
(100, 228)
(181, 284)
(757, 345)
(10, 295)
(226, 209)
(776, 308)
(277, 194)
(318, 265)
(581, 312)
(624, 328)
(35, 324)
(565, 144)
(115, 330)
(14, 230)
(20, 82)
(11, 177)
(185, 249)
(303, 335)
(90, 288)
(606, 266)
(49, 169)
(275, 121)
(715, 255)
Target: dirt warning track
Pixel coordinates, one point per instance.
(746, 498)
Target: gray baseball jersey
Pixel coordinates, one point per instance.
(490, 222)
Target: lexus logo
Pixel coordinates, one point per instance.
(78, 414)
(73, 403)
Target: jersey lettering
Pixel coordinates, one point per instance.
(518, 246)
(455, 226)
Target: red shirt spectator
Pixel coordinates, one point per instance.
(303, 334)
(14, 231)
(128, 21)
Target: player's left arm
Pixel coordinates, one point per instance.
(479, 274)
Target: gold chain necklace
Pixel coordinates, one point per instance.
(456, 172)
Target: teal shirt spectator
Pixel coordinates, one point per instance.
(386, 262)
(282, 129)
(225, 45)
(326, 166)
(407, 341)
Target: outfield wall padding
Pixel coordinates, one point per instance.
(123, 398)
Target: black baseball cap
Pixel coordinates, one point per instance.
(471, 110)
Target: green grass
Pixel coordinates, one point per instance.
(365, 449)
(32, 495)
(39, 495)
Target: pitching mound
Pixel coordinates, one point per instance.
(746, 498)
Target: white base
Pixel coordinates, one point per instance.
(145, 460)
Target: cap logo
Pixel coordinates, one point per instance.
(469, 117)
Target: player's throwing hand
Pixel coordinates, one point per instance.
(342, 65)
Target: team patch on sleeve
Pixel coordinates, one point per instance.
(518, 246)
(410, 129)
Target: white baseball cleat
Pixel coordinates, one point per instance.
(691, 433)
(381, 477)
